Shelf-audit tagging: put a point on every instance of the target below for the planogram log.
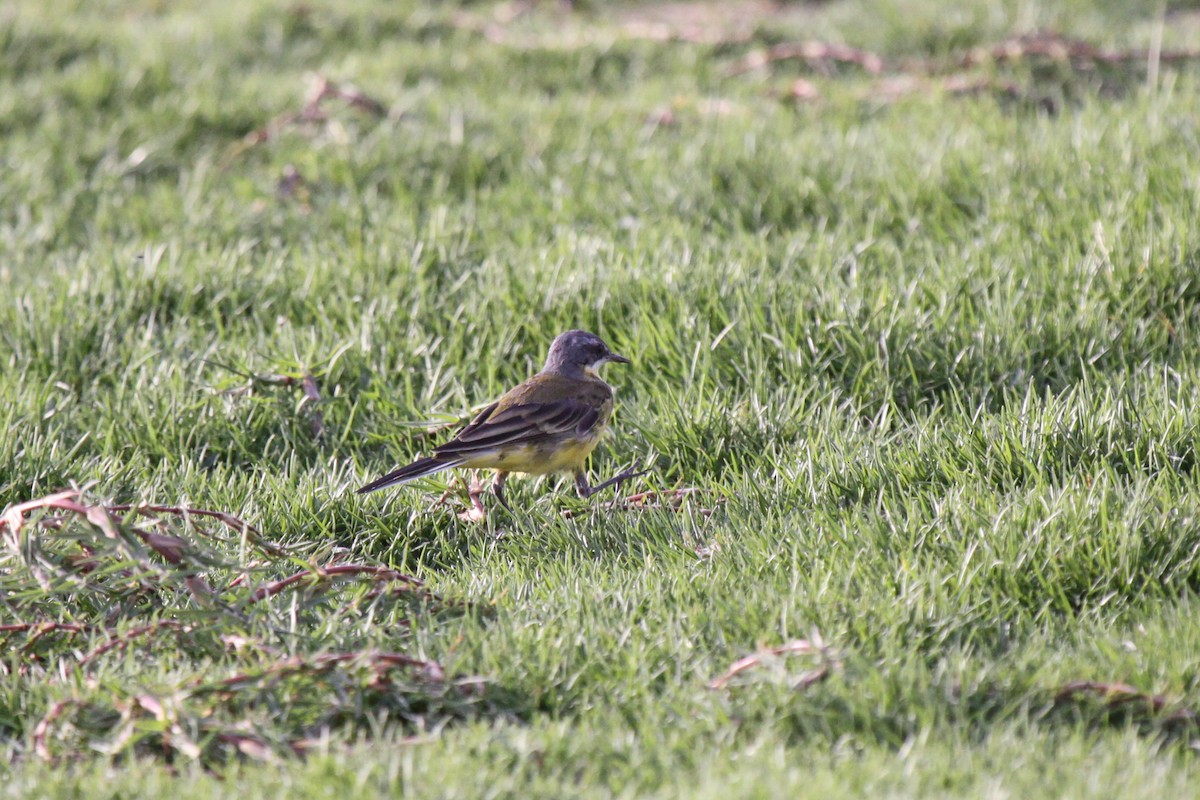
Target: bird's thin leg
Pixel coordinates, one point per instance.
(586, 491)
(475, 513)
(498, 489)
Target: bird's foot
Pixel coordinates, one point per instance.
(475, 513)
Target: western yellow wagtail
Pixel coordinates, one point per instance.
(550, 423)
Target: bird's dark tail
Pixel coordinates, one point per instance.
(418, 469)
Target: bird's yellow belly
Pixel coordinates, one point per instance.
(535, 460)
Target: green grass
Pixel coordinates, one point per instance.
(934, 359)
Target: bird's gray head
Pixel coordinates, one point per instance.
(579, 352)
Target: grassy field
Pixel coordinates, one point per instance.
(918, 319)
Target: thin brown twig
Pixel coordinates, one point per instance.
(322, 89)
(175, 736)
(126, 638)
(221, 516)
(814, 53)
(325, 88)
(319, 575)
(1114, 694)
(41, 631)
(42, 730)
(14, 516)
(252, 534)
(38, 630)
(892, 88)
(674, 496)
(1056, 47)
(1044, 45)
(169, 547)
(14, 519)
(173, 549)
(378, 661)
(46, 627)
(643, 501)
(797, 647)
(307, 382)
(257, 380)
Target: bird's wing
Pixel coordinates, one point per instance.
(480, 418)
(523, 423)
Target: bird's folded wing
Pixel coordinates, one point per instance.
(527, 423)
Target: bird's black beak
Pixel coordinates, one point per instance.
(613, 358)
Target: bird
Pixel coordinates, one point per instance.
(549, 423)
